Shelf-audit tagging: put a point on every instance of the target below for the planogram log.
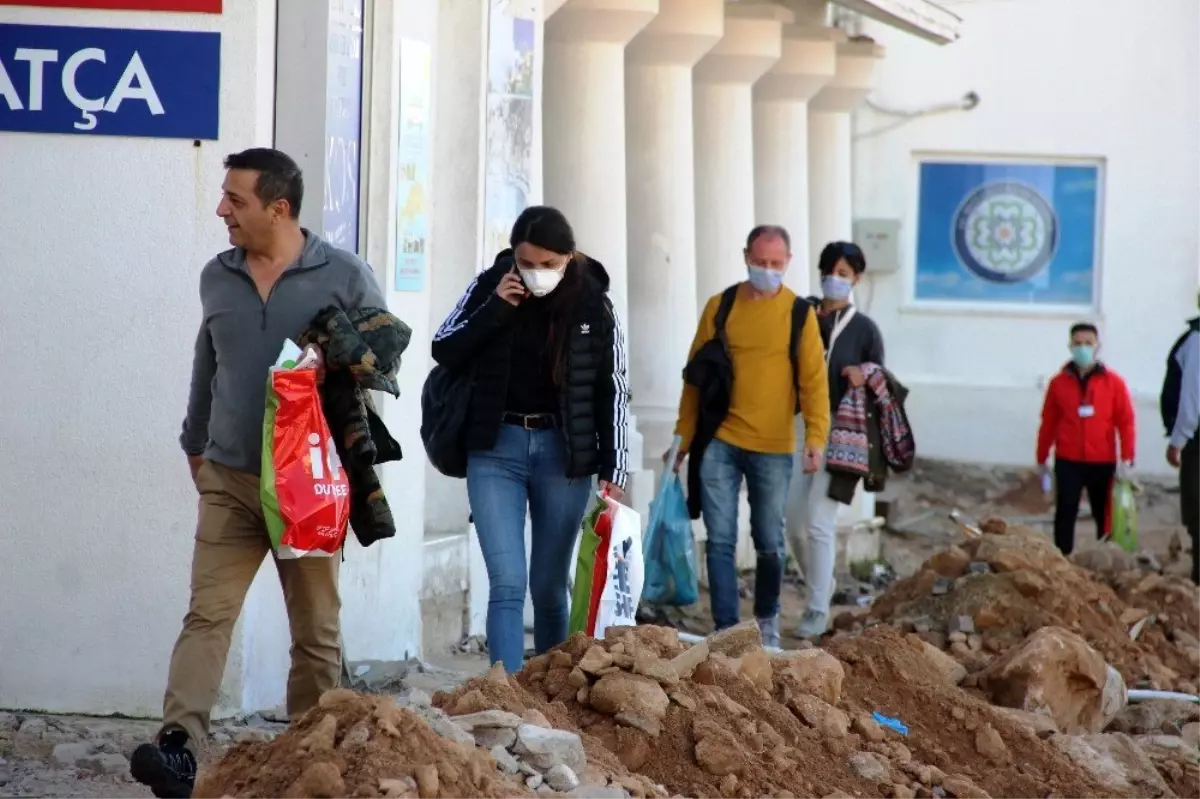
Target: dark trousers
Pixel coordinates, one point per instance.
(1073, 478)
(1189, 499)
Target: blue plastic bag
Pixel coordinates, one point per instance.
(668, 548)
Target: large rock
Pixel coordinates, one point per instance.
(755, 666)
(815, 672)
(1106, 558)
(736, 640)
(651, 665)
(488, 718)
(953, 671)
(717, 750)
(1168, 747)
(821, 716)
(1116, 762)
(1040, 725)
(686, 661)
(870, 767)
(960, 787)
(1158, 715)
(1191, 733)
(950, 562)
(1056, 673)
(621, 692)
(546, 748)
(1017, 551)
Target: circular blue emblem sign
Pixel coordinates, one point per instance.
(1005, 232)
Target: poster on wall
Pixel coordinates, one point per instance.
(194, 6)
(110, 81)
(412, 180)
(508, 162)
(343, 123)
(1022, 233)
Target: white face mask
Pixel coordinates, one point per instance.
(541, 282)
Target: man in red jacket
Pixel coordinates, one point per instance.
(1087, 409)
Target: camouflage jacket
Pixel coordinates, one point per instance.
(362, 351)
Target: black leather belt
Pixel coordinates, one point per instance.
(531, 421)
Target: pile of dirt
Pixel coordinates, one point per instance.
(360, 746)
(724, 718)
(1173, 603)
(903, 702)
(986, 595)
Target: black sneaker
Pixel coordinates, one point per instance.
(167, 768)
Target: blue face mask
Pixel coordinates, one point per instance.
(1083, 355)
(836, 288)
(765, 280)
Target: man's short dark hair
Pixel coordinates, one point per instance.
(279, 177)
(1084, 327)
(770, 232)
(846, 251)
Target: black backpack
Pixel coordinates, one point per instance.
(445, 403)
(710, 371)
(1168, 400)
(800, 309)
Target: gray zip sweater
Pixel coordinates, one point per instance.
(241, 335)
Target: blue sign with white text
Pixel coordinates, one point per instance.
(110, 81)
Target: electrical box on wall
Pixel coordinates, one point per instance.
(880, 242)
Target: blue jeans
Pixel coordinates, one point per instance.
(525, 467)
(767, 479)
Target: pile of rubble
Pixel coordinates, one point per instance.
(999, 669)
(641, 714)
(985, 596)
(872, 716)
(363, 746)
(1058, 641)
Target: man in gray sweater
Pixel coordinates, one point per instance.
(266, 289)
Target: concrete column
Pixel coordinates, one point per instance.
(660, 181)
(583, 128)
(584, 125)
(807, 64)
(830, 178)
(724, 128)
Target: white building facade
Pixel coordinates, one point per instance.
(665, 129)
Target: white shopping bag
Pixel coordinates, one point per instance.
(626, 571)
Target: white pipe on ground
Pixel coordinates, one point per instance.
(1145, 695)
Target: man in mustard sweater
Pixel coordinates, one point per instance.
(757, 439)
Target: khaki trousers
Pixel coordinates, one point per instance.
(231, 542)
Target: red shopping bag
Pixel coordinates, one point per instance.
(304, 489)
(603, 529)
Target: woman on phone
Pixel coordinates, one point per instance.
(548, 411)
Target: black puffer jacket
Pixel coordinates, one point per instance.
(594, 399)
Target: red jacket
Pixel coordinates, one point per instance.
(1079, 434)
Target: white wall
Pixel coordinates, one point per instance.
(104, 239)
(97, 514)
(381, 616)
(1114, 79)
(457, 203)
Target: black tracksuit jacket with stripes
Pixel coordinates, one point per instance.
(594, 395)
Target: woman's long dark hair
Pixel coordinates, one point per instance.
(546, 227)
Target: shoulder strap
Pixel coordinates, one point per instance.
(800, 309)
(727, 298)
